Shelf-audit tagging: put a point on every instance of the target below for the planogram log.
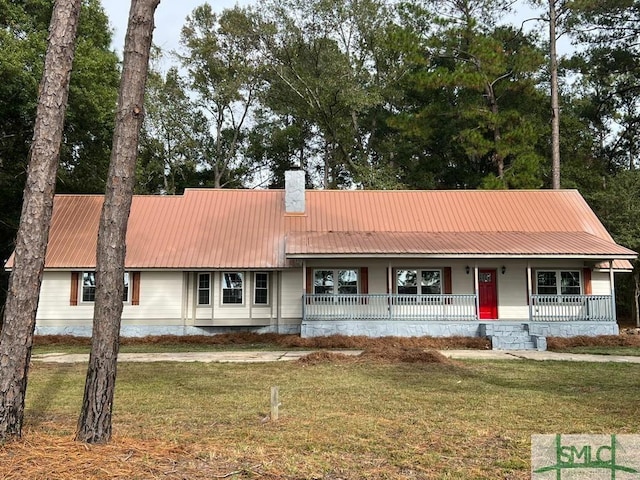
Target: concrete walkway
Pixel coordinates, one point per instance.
(280, 356)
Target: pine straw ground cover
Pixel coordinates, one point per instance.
(255, 341)
(393, 413)
(626, 343)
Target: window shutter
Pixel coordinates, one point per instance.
(309, 280)
(135, 288)
(364, 280)
(586, 278)
(73, 297)
(386, 280)
(447, 281)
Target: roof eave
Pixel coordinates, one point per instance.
(306, 256)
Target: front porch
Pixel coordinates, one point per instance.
(450, 308)
(379, 315)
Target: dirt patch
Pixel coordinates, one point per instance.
(379, 354)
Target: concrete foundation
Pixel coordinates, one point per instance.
(504, 335)
(144, 331)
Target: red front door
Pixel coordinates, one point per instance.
(488, 294)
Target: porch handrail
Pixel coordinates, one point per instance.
(558, 308)
(452, 307)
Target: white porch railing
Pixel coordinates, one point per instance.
(542, 308)
(389, 307)
(558, 308)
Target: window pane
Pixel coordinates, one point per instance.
(348, 282)
(323, 282)
(203, 280)
(88, 286)
(232, 287)
(547, 283)
(203, 297)
(407, 282)
(570, 283)
(262, 297)
(232, 295)
(261, 280)
(204, 292)
(431, 282)
(261, 294)
(125, 295)
(232, 280)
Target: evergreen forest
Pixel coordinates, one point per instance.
(366, 94)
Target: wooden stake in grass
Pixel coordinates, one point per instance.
(275, 404)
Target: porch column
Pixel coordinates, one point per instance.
(304, 276)
(529, 291)
(476, 288)
(304, 290)
(613, 291)
(390, 289)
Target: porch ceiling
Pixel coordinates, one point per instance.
(500, 244)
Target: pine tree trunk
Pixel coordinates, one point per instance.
(636, 293)
(94, 423)
(555, 106)
(21, 305)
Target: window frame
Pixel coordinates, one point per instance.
(558, 281)
(82, 287)
(241, 289)
(81, 291)
(336, 284)
(202, 289)
(266, 288)
(419, 278)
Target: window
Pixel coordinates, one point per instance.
(261, 288)
(561, 282)
(204, 289)
(125, 294)
(408, 281)
(232, 285)
(332, 282)
(89, 287)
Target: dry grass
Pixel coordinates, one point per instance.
(396, 413)
(379, 354)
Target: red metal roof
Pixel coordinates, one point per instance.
(494, 244)
(217, 228)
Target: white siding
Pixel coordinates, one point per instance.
(160, 301)
(160, 297)
(600, 284)
(169, 298)
(54, 303)
(291, 295)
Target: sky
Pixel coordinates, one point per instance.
(169, 18)
(171, 14)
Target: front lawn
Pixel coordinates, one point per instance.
(339, 419)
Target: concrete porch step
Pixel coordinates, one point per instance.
(512, 336)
